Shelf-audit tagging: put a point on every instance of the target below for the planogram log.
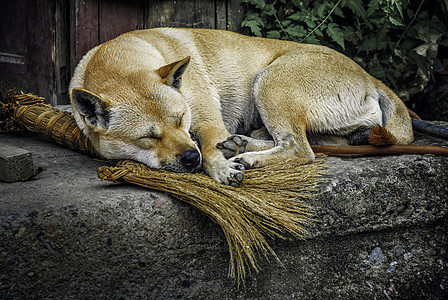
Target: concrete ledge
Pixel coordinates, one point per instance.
(381, 232)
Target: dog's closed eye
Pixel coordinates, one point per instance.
(179, 120)
(151, 134)
(150, 137)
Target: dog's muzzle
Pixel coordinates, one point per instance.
(191, 159)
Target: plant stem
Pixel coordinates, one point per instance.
(409, 25)
(282, 29)
(323, 21)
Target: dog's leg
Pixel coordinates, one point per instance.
(284, 116)
(238, 144)
(208, 128)
(285, 146)
(214, 163)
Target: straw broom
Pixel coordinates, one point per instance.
(28, 112)
(268, 203)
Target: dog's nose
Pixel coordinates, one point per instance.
(190, 159)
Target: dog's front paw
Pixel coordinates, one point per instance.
(228, 173)
(232, 146)
(246, 160)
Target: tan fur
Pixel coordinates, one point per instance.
(233, 84)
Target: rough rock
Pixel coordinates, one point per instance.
(379, 232)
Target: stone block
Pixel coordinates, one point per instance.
(15, 163)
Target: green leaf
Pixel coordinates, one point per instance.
(378, 22)
(253, 27)
(376, 70)
(444, 42)
(349, 33)
(400, 10)
(410, 13)
(318, 31)
(311, 40)
(295, 16)
(335, 33)
(368, 44)
(310, 23)
(356, 6)
(296, 31)
(269, 10)
(254, 22)
(338, 12)
(273, 34)
(422, 63)
(373, 7)
(257, 3)
(298, 16)
(395, 22)
(286, 23)
(410, 43)
(321, 10)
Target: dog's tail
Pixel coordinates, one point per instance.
(376, 135)
(380, 136)
(377, 140)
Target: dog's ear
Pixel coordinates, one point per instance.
(172, 74)
(93, 108)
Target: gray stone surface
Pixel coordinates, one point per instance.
(380, 232)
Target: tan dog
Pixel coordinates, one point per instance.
(141, 95)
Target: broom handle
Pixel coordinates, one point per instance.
(57, 125)
(380, 150)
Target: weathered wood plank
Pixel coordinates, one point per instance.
(12, 45)
(12, 18)
(192, 14)
(117, 17)
(86, 32)
(235, 15)
(40, 49)
(27, 46)
(62, 69)
(221, 14)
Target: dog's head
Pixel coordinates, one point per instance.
(145, 121)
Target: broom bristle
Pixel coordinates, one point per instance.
(268, 203)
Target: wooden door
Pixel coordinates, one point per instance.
(28, 47)
(42, 41)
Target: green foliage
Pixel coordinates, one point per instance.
(376, 33)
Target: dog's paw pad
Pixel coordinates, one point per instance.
(232, 146)
(247, 160)
(236, 177)
(242, 161)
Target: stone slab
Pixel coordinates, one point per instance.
(380, 231)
